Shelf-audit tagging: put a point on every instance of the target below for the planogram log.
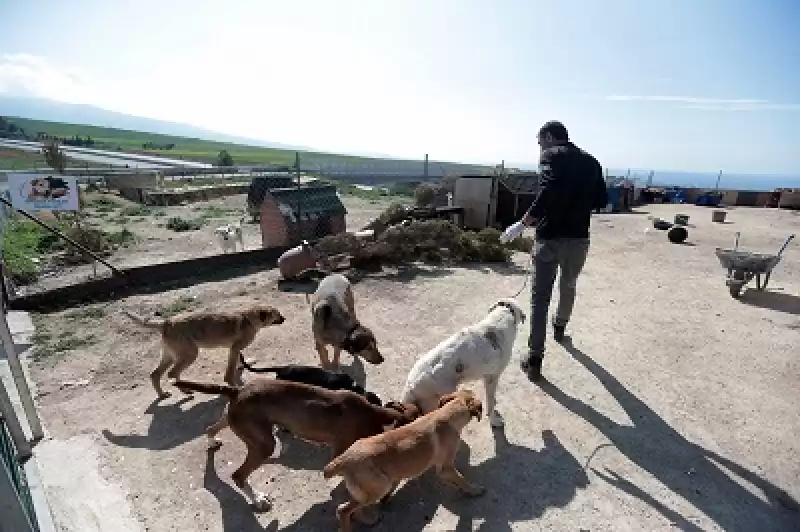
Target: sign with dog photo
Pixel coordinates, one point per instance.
(43, 192)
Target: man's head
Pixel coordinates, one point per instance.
(552, 134)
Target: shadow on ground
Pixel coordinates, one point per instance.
(521, 485)
(237, 514)
(691, 472)
(171, 424)
(777, 301)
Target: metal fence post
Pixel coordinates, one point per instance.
(12, 512)
(9, 417)
(20, 381)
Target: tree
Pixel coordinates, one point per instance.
(224, 158)
(54, 156)
(425, 195)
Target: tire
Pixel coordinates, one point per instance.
(735, 289)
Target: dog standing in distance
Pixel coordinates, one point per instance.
(334, 322)
(184, 334)
(480, 351)
(373, 467)
(314, 414)
(229, 235)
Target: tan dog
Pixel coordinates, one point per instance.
(312, 413)
(373, 467)
(182, 335)
(334, 322)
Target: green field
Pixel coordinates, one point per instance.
(185, 148)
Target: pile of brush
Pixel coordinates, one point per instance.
(430, 241)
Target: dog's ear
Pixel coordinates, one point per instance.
(324, 312)
(492, 337)
(394, 405)
(447, 398)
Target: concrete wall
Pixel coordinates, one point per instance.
(151, 278)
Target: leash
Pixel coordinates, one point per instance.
(527, 276)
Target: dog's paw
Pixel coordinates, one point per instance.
(496, 420)
(261, 502)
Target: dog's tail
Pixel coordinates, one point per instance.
(334, 468)
(248, 367)
(231, 392)
(144, 322)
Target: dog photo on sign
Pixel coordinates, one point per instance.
(45, 188)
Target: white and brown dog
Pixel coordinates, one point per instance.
(479, 351)
(229, 235)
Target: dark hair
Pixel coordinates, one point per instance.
(556, 129)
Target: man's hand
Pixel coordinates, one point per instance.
(527, 221)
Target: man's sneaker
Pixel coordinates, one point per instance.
(532, 366)
(558, 333)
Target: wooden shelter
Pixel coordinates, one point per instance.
(292, 214)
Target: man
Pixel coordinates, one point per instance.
(571, 187)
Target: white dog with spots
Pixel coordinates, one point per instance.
(478, 352)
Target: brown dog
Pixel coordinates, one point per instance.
(334, 322)
(312, 413)
(182, 335)
(373, 467)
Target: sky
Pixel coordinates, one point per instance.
(702, 85)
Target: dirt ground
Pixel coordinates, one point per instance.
(671, 406)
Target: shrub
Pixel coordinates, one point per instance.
(425, 195)
(178, 224)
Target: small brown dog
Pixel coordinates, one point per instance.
(373, 467)
(334, 322)
(312, 413)
(182, 335)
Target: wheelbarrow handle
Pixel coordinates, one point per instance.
(789, 239)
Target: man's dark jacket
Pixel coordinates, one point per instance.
(571, 187)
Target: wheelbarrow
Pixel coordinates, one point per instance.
(742, 266)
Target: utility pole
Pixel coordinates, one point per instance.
(716, 187)
(425, 171)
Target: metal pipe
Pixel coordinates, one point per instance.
(58, 233)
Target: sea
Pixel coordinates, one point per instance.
(753, 182)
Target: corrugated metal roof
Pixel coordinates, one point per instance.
(522, 183)
(313, 199)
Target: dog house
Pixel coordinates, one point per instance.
(292, 214)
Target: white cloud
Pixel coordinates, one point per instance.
(33, 76)
(710, 104)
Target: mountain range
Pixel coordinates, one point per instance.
(90, 115)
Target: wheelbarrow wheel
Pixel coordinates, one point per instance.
(735, 289)
(736, 283)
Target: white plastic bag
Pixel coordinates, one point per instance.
(512, 232)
